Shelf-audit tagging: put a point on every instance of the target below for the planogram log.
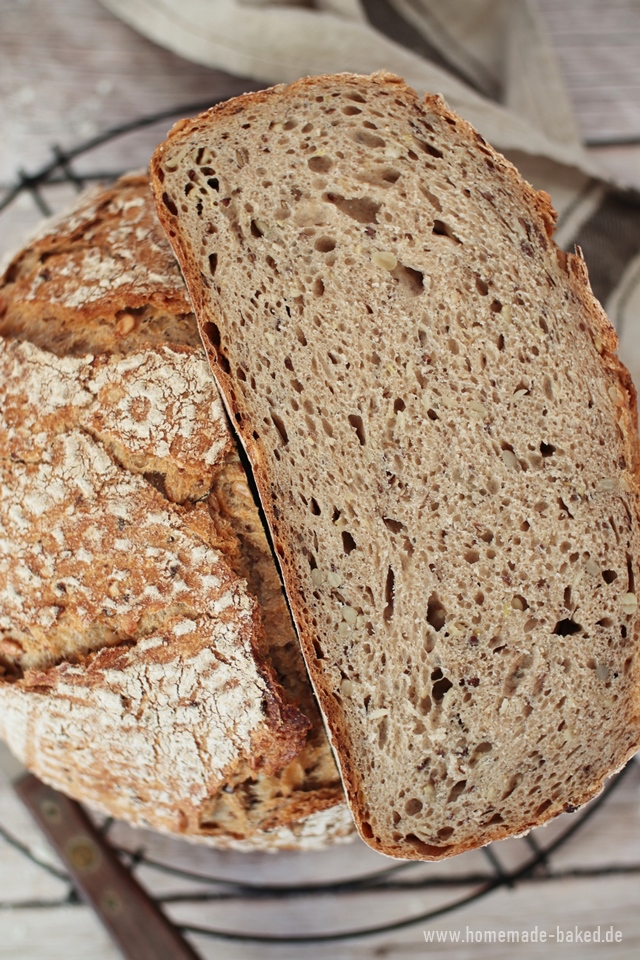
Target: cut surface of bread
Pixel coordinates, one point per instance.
(444, 442)
(148, 663)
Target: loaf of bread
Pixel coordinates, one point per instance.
(148, 663)
(444, 442)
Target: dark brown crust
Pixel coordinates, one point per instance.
(89, 227)
(599, 328)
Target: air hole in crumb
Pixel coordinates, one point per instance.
(547, 449)
(300, 337)
(213, 263)
(319, 652)
(500, 343)
(609, 576)
(315, 509)
(432, 415)
(428, 148)
(383, 729)
(387, 613)
(355, 96)
(320, 164)
(361, 209)
(566, 628)
(410, 280)
(472, 556)
(356, 423)
(496, 306)
(279, 425)
(440, 684)
(605, 622)
(436, 613)
(351, 111)
(412, 807)
(444, 833)
(318, 287)
(348, 543)
(169, 204)
(367, 139)
(431, 197)
(456, 790)
(325, 244)
(482, 287)
(394, 525)
(441, 229)
(212, 332)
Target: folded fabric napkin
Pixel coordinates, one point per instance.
(491, 60)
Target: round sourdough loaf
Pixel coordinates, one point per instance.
(148, 664)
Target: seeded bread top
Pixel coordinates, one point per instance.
(106, 261)
(134, 629)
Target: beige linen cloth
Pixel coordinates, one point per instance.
(492, 61)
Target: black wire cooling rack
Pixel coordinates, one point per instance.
(537, 866)
(477, 874)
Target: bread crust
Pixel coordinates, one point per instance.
(176, 626)
(202, 131)
(105, 393)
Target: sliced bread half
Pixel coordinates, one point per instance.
(444, 441)
(148, 664)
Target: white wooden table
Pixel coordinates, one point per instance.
(68, 69)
